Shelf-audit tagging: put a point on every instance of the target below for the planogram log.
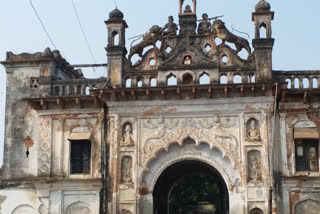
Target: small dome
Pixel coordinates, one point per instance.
(116, 14)
(263, 6)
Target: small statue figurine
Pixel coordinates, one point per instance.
(171, 28)
(148, 39)
(187, 9)
(205, 25)
(253, 132)
(187, 60)
(220, 31)
(127, 136)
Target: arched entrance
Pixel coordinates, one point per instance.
(190, 187)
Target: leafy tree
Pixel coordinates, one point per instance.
(192, 189)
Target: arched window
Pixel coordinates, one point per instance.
(223, 79)
(187, 79)
(314, 82)
(224, 59)
(252, 78)
(237, 79)
(288, 83)
(128, 83)
(115, 38)
(296, 83)
(87, 90)
(204, 79)
(171, 80)
(263, 31)
(139, 82)
(153, 82)
(306, 83)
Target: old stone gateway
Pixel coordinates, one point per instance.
(193, 120)
(183, 185)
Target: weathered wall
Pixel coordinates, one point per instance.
(220, 129)
(299, 191)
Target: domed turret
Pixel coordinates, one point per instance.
(263, 6)
(116, 48)
(116, 15)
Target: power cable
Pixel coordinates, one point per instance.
(44, 28)
(83, 33)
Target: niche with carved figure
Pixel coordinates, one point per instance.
(187, 60)
(127, 135)
(254, 164)
(253, 130)
(126, 170)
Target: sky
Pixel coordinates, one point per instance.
(295, 29)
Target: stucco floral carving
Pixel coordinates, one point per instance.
(44, 147)
(162, 132)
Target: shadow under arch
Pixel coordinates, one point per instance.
(181, 173)
(199, 158)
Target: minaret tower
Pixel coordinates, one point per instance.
(116, 49)
(263, 44)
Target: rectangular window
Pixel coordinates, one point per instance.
(307, 155)
(80, 156)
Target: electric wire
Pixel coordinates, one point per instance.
(83, 33)
(42, 24)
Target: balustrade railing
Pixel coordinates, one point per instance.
(299, 79)
(75, 87)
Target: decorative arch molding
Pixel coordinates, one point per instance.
(77, 126)
(78, 207)
(310, 206)
(256, 211)
(211, 131)
(24, 209)
(189, 151)
(305, 124)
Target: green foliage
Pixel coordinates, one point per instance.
(190, 190)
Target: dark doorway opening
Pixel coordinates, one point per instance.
(190, 187)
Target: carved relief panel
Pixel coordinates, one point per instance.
(254, 163)
(126, 170)
(307, 207)
(217, 131)
(44, 147)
